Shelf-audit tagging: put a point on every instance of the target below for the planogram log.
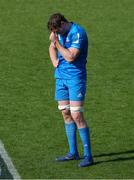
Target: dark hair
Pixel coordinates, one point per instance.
(54, 21)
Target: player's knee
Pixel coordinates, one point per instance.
(66, 115)
(77, 117)
(65, 109)
(77, 114)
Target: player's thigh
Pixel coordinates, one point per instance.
(64, 102)
(77, 107)
(64, 107)
(77, 103)
(76, 110)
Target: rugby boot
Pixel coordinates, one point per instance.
(87, 161)
(68, 157)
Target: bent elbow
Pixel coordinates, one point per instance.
(73, 56)
(71, 59)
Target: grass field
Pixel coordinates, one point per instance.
(31, 127)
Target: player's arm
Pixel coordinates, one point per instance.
(53, 54)
(68, 54)
(53, 50)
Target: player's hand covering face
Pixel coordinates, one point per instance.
(53, 37)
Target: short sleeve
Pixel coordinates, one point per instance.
(76, 41)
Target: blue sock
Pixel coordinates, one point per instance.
(85, 138)
(71, 136)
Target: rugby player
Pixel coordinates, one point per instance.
(68, 53)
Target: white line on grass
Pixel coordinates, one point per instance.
(0, 171)
(8, 162)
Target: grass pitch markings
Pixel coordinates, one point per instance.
(11, 168)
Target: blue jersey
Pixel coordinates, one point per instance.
(75, 38)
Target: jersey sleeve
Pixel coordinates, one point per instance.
(76, 40)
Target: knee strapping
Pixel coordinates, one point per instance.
(76, 108)
(63, 107)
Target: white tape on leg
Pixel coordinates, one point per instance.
(76, 108)
(63, 107)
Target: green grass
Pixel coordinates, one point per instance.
(31, 127)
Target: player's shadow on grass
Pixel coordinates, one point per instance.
(119, 156)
